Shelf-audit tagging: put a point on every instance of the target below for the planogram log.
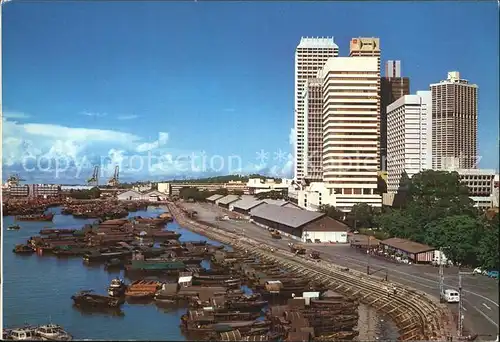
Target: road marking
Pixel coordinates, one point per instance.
(463, 308)
(485, 316)
(486, 306)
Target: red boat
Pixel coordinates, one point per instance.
(41, 217)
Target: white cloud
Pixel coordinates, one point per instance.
(94, 114)
(127, 117)
(15, 115)
(162, 140)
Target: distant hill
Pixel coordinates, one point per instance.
(222, 179)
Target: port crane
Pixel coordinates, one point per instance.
(114, 181)
(14, 180)
(94, 180)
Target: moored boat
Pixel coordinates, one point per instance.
(15, 227)
(52, 332)
(117, 288)
(22, 334)
(23, 249)
(89, 299)
(41, 217)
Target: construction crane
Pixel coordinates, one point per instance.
(94, 180)
(113, 181)
(14, 180)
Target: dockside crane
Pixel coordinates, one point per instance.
(14, 180)
(94, 180)
(114, 181)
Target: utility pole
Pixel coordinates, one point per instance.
(368, 255)
(441, 275)
(460, 304)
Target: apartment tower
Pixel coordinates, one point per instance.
(454, 123)
(409, 137)
(313, 122)
(310, 56)
(351, 130)
(392, 87)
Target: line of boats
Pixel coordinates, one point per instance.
(47, 332)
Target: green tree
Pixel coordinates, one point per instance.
(360, 216)
(487, 253)
(332, 212)
(276, 195)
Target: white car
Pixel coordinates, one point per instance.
(477, 270)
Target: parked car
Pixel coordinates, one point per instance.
(493, 274)
(478, 270)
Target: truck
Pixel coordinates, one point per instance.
(440, 259)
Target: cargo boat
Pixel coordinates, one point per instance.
(49, 231)
(90, 300)
(169, 267)
(99, 257)
(142, 290)
(41, 217)
(23, 249)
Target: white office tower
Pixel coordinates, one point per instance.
(351, 130)
(310, 56)
(409, 137)
(454, 123)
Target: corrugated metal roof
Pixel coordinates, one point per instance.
(275, 202)
(129, 193)
(228, 199)
(290, 217)
(407, 245)
(214, 197)
(247, 203)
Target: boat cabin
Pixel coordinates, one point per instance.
(23, 334)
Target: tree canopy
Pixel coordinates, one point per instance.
(276, 195)
(439, 212)
(224, 179)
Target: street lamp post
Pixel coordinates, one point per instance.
(460, 303)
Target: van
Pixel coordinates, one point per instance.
(451, 296)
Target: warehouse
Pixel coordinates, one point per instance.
(130, 195)
(225, 201)
(416, 252)
(155, 196)
(300, 224)
(214, 198)
(280, 203)
(244, 205)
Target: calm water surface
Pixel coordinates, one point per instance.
(38, 289)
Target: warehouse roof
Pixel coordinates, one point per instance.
(228, 199)
(326, 224)
(214, 197)
(247, 203)
(407, 245)
(290, 217)
(130, 193)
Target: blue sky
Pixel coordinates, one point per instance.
(91, 81)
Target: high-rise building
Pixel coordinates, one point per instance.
(365, 47)
(392, 87)
(409, 137)
(454, 123)
(351, 130)
(313, 120)
(310, 56)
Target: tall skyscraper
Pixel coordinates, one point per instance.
(409, 137)
(313, 120)
(454, 123)
(392, 87)
(351, 130)
(365, 47)
(310, 56)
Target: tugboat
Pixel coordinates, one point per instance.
(23, 249)
(117, 288)
(15, 227)
(52, 332)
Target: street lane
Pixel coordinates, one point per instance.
(480, 294)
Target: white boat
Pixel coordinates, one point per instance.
(52, 332)
(23, 334)
(116, 288)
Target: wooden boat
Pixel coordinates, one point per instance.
(114, 264)
(247, 305)
(49, 231)
(15, 227)
(41, 217)
(142, 289)
(117, 288)
(97, 256)
(89, 299)
(23, 249)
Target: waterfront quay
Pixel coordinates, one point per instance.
(38, 289)
(480, 293)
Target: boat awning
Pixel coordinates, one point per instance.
(185, 279)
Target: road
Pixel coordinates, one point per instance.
(479, 293)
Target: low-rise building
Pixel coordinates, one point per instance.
(244, 205)
(142, 187)
(225, 201)
(414, 251)
(481, 184)
(258, 185)
(130, 195)
(214, 198)
(299, 224)
(164, 187)
(154, 196)
(44, 190)
(19, 191)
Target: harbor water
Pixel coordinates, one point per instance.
(38, 290)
